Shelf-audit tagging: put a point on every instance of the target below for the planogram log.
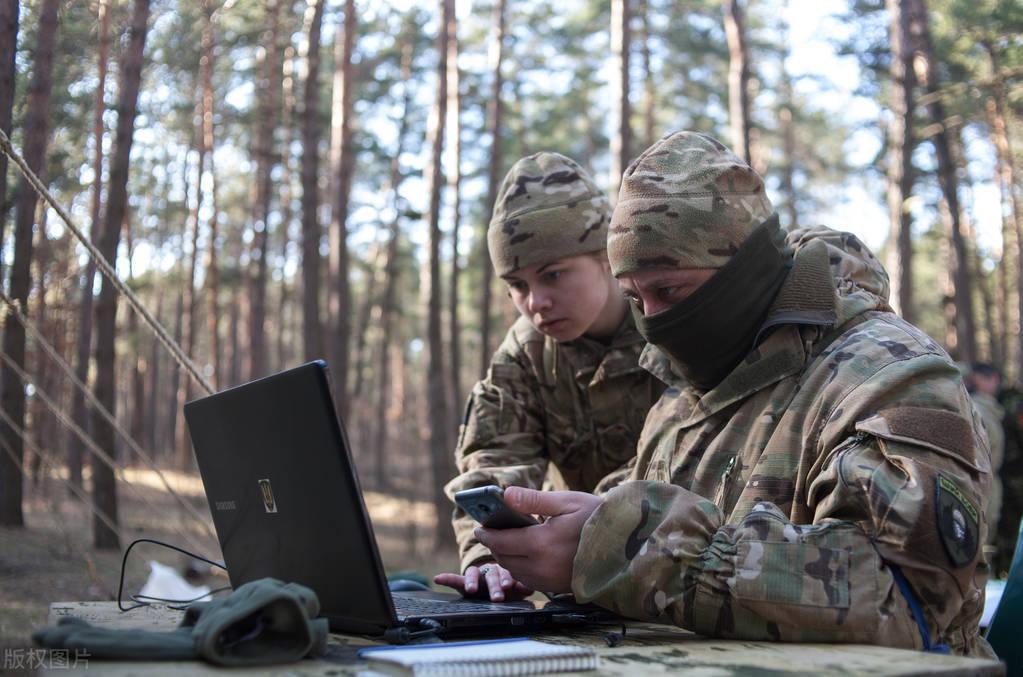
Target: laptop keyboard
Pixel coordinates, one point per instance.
(411, 605)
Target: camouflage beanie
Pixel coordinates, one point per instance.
(687, 202)
(548, 207)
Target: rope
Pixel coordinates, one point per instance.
(77, 491)
(104, 266)
(89, 442)
(48, 348)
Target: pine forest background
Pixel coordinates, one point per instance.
(285, 180)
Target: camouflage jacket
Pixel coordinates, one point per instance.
(554, 415)
(834, 474)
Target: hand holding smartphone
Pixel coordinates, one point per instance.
(486, 505)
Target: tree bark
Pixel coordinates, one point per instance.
(926, 67)
(975, 268)
(212, 265)
(104, 487)
(391, 277)
(439, 423)
(312, 332)
(1012, 229)
(788, 132)
(649, 97)
(621, 134)
(494, 127)
(266, 124)
(76, 447)
(137, 375)
(9, 10)
(189, 306)
(901, 172)
(287, 213)
(12, 390)
(739, 114)
(169, 401)
(454, 105)
(155, 353)
(342, 162)
(369, 302)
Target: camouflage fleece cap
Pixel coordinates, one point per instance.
(686, 202)
(548, 207)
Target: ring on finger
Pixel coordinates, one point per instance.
(485, 569)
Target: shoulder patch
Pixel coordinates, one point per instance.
(958, 521)
(943, 429)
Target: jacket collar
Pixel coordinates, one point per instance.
(807, 300)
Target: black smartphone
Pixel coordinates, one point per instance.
(486, 505)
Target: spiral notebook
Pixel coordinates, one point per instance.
(491, 658)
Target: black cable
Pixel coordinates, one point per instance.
(144, 600)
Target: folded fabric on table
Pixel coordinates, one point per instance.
(263, 622)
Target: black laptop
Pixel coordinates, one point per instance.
(286, 503)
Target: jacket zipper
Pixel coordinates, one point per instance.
(723, 483)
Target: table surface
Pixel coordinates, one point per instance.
(647, 649)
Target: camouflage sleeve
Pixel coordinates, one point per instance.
(896, 514)
(616, 477)
(501, 442)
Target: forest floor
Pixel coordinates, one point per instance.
(52, 559)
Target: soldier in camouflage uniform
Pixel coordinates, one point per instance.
(983, 383)
(814, 470)
(564, 399)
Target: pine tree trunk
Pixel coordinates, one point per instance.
(268, 89)
(76, 447)
(621, 131)
(363, 321)
(287, 213)
(12, 390)
(901, 172)
(170, 403)
(788, 133)
(494, 128)
(391, 278)
(454, 106)
(137, 375)
(42, 422)
(342, 163)
(439, 423)
(312, 328)
(976, 269)
(1012, 229)
(959, 259)
(8, 76)
(104, 487)
(234, 373)
(649, 97)
(189, 322)
(739, 114)
(155, 354)
(212, 265)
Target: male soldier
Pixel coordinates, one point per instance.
(564, 400)
(984, 385)
(1011, 400)
(813, 471)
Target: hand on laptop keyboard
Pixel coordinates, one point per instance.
(488, 579)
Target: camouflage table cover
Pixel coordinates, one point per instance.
(646, 649)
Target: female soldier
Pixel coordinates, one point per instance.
(564, 399)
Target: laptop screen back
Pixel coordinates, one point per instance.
(285, 499)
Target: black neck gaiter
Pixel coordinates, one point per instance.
(709, 333)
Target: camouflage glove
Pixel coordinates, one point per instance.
(109, 643)
(261, 623)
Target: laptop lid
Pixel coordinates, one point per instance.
(285, 499)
